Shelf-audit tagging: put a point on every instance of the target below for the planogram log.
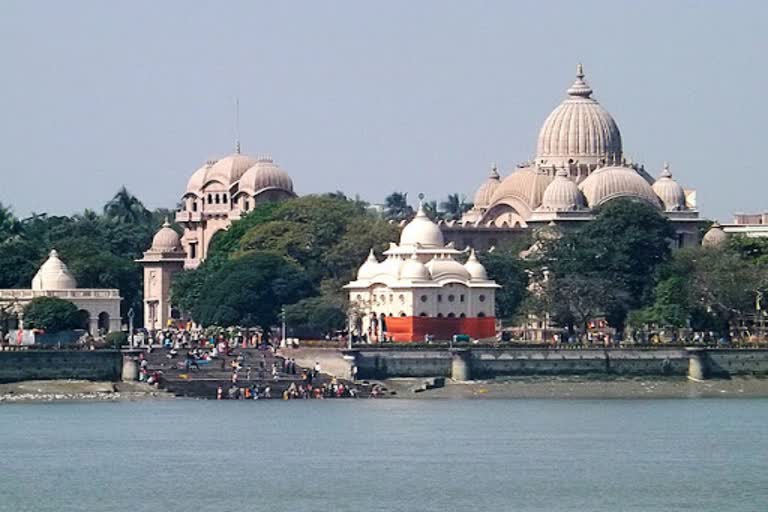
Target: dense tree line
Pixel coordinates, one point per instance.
(99, 248)
(298, 254)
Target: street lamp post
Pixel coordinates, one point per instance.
(130, 327)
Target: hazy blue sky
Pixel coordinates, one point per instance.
(370, 97)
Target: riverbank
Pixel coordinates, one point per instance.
(78, 390)
(574, 387)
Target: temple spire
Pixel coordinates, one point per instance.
(579, 87)
(237, 125)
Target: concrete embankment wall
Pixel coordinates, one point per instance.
(60, 364)
(484, 363)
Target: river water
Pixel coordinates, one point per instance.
(386, 455)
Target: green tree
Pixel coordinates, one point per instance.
(505, 267)
(249, 291)
(51, 314)
(624, 245)
(127, 208)
(396, 207)
(454, 207)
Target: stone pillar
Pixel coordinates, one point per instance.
(130, 368)
(460, 365)
(697, 364)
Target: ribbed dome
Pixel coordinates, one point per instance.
(369, 268)
(390, 267)
(562, 194)
(53, 275)
(445, 268)
(198, 179)
(669, 191)
(230, 168)
(413, 269)
(421, 230)
(579, 129)
(610, 183)
(485, 192)
(166, 240)
(265, 174)
(715, 237)
(527, 185)
(475, 268)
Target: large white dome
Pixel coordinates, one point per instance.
(53, 275)
(447, 268)
(669, 191)
(369, 268)
(562, 194)
(422, 231)
(166, 239)
(610, 183)
(229, 169)
(265, 175)
(579, 130)
(484, 194)
(476, 269)
(526, 186)
(414, 269)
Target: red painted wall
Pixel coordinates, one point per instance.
(414, 328)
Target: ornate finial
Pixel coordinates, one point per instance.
(166, 224)
(665, 172)
(494, 174)
(53, 253)
(579, 87)
(472, 255)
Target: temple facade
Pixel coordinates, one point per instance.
(99, 307)
(220, 192)
(579, 165)
(420, 290)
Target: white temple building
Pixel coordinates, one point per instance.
(100, 308)
(220, 192)
(421, 289)
(161, 262)
(579, 165)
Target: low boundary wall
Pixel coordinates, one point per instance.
(22, 365)
(487, 363)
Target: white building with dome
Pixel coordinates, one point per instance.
(220, 192)
(99, 307)
(161, 262)
(579, 165)
(421, 288)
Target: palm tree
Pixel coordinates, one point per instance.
(125, 207)
(9, 224)
(396, 207)
(454, 207)
(430, 208)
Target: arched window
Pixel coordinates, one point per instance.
(439, 315)
(451, 315)
(481, 315)
(481, 298)
(210, 198)
(217, 199)
(423, 298)
(194, 206)
(462, 315)
(422, 314)
(451, 298)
